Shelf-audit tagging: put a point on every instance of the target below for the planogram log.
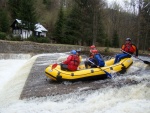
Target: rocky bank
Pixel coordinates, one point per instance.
(37, 48)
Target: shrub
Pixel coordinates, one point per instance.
(39, 39)
(2, 35)
(15, 38)
(107, 49)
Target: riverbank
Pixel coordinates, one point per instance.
(39, 48)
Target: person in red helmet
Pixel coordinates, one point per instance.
(128, 47)
(91, 57)
(95, 60)
(92, 47)
(88, 61)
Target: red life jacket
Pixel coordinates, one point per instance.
(130, 48)
(73, 62)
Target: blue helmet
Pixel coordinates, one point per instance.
(73, 52)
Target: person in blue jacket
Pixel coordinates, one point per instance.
(99, 62)
(90, 62)
(95, 60)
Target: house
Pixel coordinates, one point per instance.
(25, 29)
(40, 30)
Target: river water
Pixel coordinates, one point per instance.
(129, 98)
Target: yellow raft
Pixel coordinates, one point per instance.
(88, 74)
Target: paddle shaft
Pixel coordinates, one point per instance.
(108, 74)
(146, 62)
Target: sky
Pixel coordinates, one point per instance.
(120, 2)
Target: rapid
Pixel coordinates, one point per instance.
(127, 93)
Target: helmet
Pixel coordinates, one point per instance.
(94, 51)
(92, 47)
(73, 52)
(78, 51)
(128, 39)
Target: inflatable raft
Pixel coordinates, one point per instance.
(83, 74)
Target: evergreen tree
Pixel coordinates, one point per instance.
(14, 7)
(23, 10)
(4, 21)
(27, 11)
(72, 26)
(101, 36)
(59, 27)
(115, 40)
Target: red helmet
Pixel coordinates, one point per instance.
(94, 51)
(92, 47)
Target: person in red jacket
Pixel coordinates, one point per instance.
(72, 62)
(128, 47)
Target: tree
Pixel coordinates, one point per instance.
(143, 24)
(73, 25)
(115, 40)
(59, 27)
(145, 27)
(4, 21)
(14, 7)
(27, 11)
(23, 9)
(84, 23)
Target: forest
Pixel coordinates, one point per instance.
(82, 22)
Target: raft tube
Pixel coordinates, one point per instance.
(88, 74)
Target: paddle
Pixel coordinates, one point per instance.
(146, 62)
(108, 74)
(54, 66)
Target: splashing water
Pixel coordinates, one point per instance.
(133, 96)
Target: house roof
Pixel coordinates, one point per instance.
(19, 21)
(39, 28)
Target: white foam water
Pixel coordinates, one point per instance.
(127, 99)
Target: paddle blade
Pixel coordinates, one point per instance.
(54, 66)
(108, 74)
(146, 62)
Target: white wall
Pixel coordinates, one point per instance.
(25, 34)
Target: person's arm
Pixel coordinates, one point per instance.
(122, 47)
(68, 60)
(136, 50)
(137, 53)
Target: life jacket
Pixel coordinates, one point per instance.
(72, 61)
(99, 60)
(75, 60)
(130, 48)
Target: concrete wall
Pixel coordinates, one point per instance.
(32, 47)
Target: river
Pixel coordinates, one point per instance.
(133, 96)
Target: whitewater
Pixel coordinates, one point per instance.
(129, 98)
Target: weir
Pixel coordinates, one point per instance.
(27, 90)
(38, 85)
